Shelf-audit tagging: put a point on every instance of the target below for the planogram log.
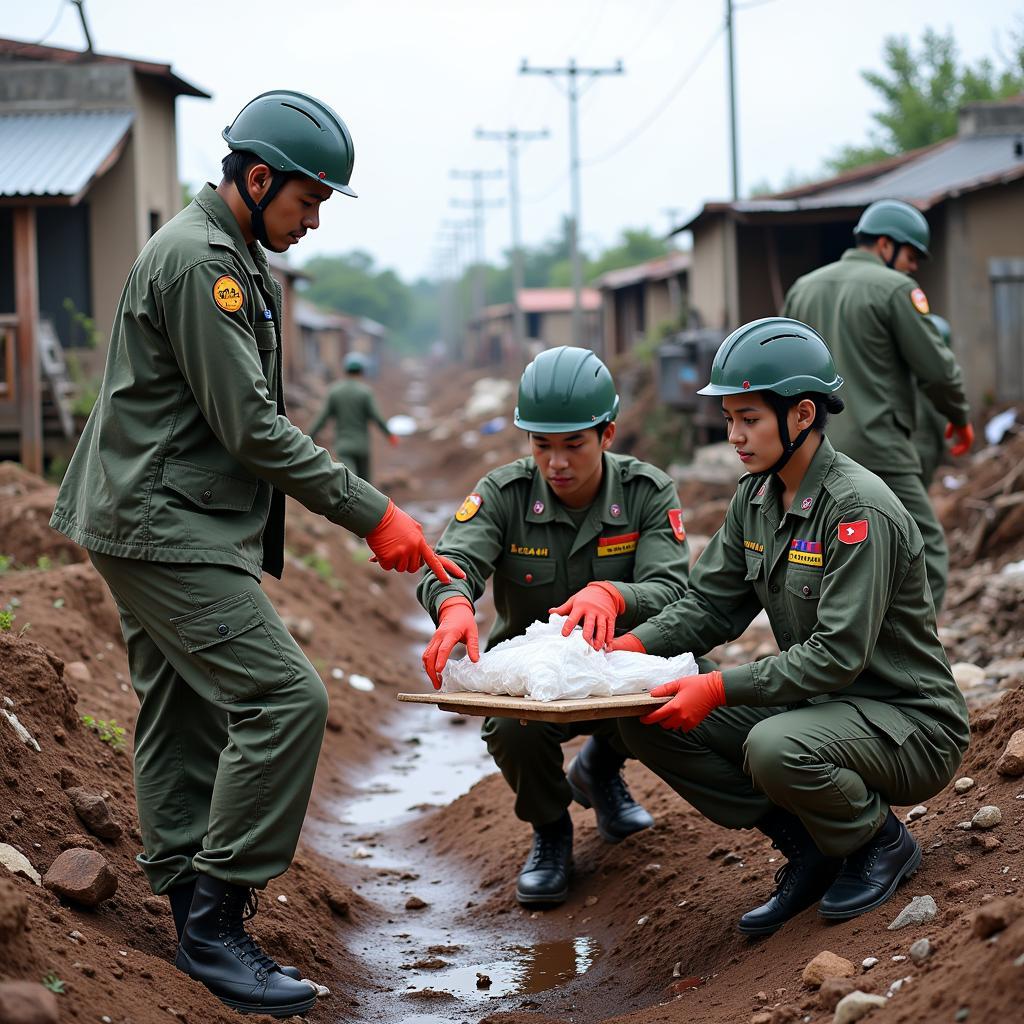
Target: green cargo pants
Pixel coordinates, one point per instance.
(826, 763)
(358, 462)
(231, 718)
(530, 757)
(912, 493)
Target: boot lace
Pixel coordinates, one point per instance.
(615, 790)
(235, 911)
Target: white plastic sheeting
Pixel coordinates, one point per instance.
(544, 665)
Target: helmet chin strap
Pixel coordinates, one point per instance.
(788, 447)
(259, 230)
(891, 262)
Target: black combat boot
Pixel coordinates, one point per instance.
(545, 875)
(801, 881)
(216, 950)
(870, 875)
(595, 778)
(181, 901)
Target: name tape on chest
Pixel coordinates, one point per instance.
(675, 518)
(528, 550)
(752, 545)
(228, 294)
(469, 508)
(805, 552)
(853, 533)
(619, 545)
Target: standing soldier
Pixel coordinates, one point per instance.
(874, 317)
(352, 406)
(929, 434)
(177, 491)
(859, 710)
(599, 535)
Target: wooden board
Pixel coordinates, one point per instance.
(628, 705)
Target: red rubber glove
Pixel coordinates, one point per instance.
(397, 542)
(693, 699)
(598, 605)
(393, 440)
(626, 642)
(455, 624)
(964, 438)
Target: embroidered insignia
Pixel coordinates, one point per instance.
(620, 545)
(616, 511)
(760, 493)
(267, 315)
(806, 504)
(853, 533)
(752, 545)
(525, 549)
(469, 508)
(228, 294)
(675, 518)
(538, 507)
(920, 300)
(746, 385)
(805, 552)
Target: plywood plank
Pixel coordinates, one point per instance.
(628, 705)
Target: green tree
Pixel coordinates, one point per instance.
(351, 283)
(922, 91)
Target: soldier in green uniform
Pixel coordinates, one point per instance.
(859, 710)
(931, 427)
(353, 407)
(585, 533)
(177, 491)
(874, 318)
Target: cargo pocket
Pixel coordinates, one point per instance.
(235, 646)
(207, 489)
(266, 342)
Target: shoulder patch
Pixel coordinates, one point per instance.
(675, 518)
(469, 508)
(853, 533)
(228, 294)
(919, 300)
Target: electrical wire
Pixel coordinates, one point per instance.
(61, 7)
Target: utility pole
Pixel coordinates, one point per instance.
(732, 101)
(513, 137)
(459, 232)
(675, 297)
(477, 204)
(573, 71)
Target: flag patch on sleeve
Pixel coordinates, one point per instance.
(853, 533)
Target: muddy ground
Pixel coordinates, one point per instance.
(401, 899)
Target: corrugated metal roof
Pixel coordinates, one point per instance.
(653, 270)
(57, 154)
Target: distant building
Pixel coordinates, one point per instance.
(637, 299)
(746, 254)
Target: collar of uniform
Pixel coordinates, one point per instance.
(223, 228)
(610, 493)
(862, 256)
(813, 479)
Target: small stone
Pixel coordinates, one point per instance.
(967, 676)
(155, 905)
(482, 980)
(962, 1014)
(919, 910)
(282, 899)
(642, 920)
(1011, 763)
(898, 984)
(363, 683)
(962, 861)
(988, 843)
(987, 817)
(76, 936)
(338, 901)
(964, 784)
(25, 1002)
(362, 853)
(415, 903)
(81, 876)
(995, 916)
(921, 950)
(732, 858)
(590, 901)
(856, 1005)
(13, 910)
(17, 863)
(868, 962)
(965, 825)
(826, 965)
(916, 812)
(898, 958)
(960, 889)
(300, 627)
(77, 672)
(832, 990)
(93, 812)
(761, 1018)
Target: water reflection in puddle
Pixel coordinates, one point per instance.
(527, 969)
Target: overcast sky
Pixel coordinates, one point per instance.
(413, 80)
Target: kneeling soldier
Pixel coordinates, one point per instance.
(600, 536)
(859, 710)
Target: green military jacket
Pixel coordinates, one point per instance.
(187, 454)
(842, 578)
(350, 403)
(873, 320)
(514, 528)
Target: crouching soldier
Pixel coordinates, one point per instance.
(576, 530)
(859, 710)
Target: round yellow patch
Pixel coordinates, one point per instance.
(920, 300)
(228, 294)
(469, 508)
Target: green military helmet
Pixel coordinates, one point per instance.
(355, 362)
(942, 326)
(903, 223)
(296, 134)
(774, 354)
(565, 389)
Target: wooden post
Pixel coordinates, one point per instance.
(26, 304)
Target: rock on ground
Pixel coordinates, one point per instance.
(81, 876)
(964, 784)
(25, 1002)
(1011, 762)
(918, 911)
(987, 817)
(94, 813)
(995, 916)
(920, 951)
(827, 965)
(856, 1005)
(17, 863)
(13, 910)
(834, 989)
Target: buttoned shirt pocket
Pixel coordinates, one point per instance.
(612, 567)
(529, 573)
(803, 590)
(235, 645)
(207, 489)
(266, 342)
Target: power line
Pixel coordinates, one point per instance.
(53, 26)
